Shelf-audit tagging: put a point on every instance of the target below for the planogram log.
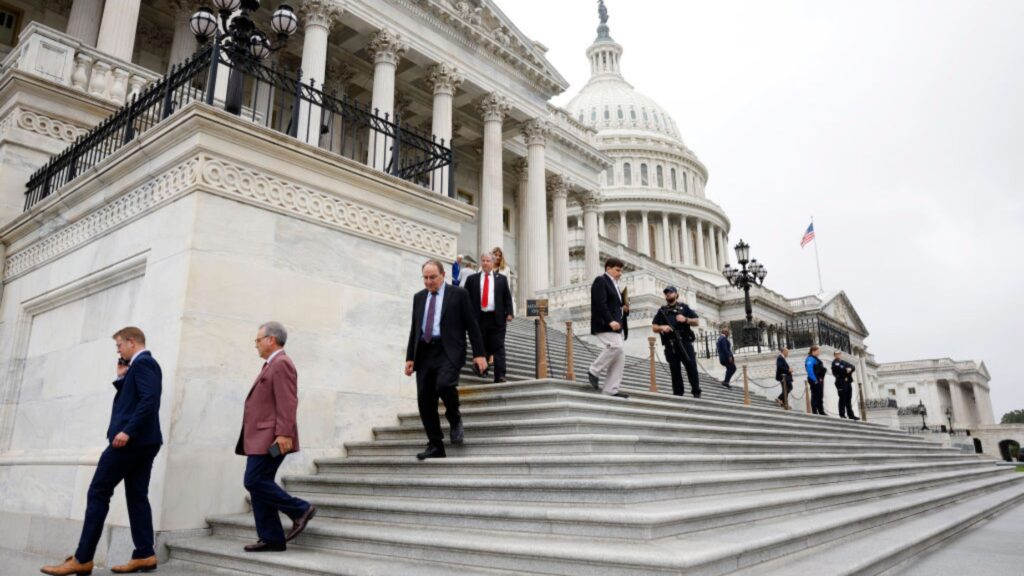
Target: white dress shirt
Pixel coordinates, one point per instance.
(490, 292)
(275, 353)
(136, 355)
(616, 284)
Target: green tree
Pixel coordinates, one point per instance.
(1013, 417)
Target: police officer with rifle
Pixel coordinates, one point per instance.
(674, 321)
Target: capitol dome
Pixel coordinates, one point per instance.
(652, 194)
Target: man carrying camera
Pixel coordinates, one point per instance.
(673, 321)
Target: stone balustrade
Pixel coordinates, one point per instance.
(60, 58)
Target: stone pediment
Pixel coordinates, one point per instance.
(485, 23)
(838, 307)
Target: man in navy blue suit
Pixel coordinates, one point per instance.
(135, 439)
(725, 357)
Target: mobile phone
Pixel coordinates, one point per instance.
(122, 362)
(275, 450)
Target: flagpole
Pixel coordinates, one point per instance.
(821, 287)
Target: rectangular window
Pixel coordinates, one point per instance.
(10, 23)
(506, 219)
(911, 391)
(892, 391)
(644, 181)
(610, 179)
(464, 197)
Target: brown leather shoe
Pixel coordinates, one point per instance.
(70, 566)
(136, 565)
(300, 523)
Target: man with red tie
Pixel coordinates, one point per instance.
(442, 317)
(492, 307)
(269, 432)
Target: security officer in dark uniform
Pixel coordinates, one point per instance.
(673, 321)
(843, 373)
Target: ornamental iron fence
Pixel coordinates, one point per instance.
(276, 100)
(793, 334)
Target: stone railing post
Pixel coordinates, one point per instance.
(746, 387)
(570, 371)
(863, 403)
(542, 347)
(654, 380)
(807, 394)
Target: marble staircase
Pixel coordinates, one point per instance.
(554, 478)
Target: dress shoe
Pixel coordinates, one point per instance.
(458, 433)
(727, 385)
(431, 452)
(136, 565)
(854, 418)
(779, 403)
(696, 395)
(300, 524)
(621, 395)
(500, 380)
(595, 383)
(70, 566)
(262, 546)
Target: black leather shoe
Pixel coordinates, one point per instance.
(431, 452)
(501, 380)
(300, 523)
(595, 383)
(621, 395)
(458, 433)
(727, 385)
(696, 395)
(262, 546)
(854, 418)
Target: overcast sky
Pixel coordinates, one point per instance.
(897, 124)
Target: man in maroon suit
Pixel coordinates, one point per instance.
(269, 432)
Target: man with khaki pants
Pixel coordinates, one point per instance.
(607, 323)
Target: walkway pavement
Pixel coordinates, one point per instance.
(22, 564)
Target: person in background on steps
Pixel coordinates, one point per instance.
(492, 307)
(673, 321)
(135, 439)
(270, 432)
(816, 378)
(606, 322)
(442, 317)
(784, 376)
(725, 357)
(843, 372)
(456, 270)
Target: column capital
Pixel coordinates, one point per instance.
(444, 79)
(339, 74)
(493, 107)
(386, 47)
(536, 131)
(558, 186)
(520, 167)
(589, 200)
(323, 13)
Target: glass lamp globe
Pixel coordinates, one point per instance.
(203, 24)
(743, 252)
(259, 46)
(284, 23)
(227, 5)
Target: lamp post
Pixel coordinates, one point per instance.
(751, 273)
(923, 412)
(949, 418)
(242, 41)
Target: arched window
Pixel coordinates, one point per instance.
(627, 174)
(593, 115)
(612, 231)
(645, 114)
(631, 236)
(620, 113)
(643, 175)
(672, 173)
(632, 114)
(581, 122)
(607, 114)
(686, 182)
(661, 179)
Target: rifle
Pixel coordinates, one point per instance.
(674, 337)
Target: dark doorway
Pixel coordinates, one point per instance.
(977, 446)
(1009, 450)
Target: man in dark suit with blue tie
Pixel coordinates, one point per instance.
(135, 439)
(442, 317)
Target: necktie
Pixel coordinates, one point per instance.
(428, 334)
(487, 288)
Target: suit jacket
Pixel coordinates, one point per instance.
(136, 409)
(782, 370)
(270, 408)
(843, 378)
(457, 321)
(724, 349)
(502, 296)
(605, 305)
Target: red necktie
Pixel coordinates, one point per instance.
(487, 288)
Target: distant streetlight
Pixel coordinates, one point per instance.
(751, 273)
(923, 412)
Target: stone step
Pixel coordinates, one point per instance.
(619, 426)
(587, 465)
(480, 412)
(707, 553)
(620, 444)
(617, 490)
(877, 550)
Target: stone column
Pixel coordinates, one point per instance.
(666, 239)
(117, 28)
(520, 168)
(494, 107)
(535, 132)
(591, 241)
(318, 16)
(183, 44)
(700, 244)
(386, 49)
(684, 245)
(726, 249)
(677, 254)
(623, 232)
(600, 224)
(961, 411)
(560, 229)
(84, 21)
(643, 238)
(712, 246)
(444, 80)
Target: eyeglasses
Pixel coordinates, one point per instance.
(261, 338)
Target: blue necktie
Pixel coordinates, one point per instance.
(428, 334)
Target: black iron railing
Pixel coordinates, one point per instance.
(793, 334)
(277, 100)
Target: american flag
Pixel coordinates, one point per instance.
(808, 236)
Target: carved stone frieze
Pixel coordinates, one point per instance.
(47, 126)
